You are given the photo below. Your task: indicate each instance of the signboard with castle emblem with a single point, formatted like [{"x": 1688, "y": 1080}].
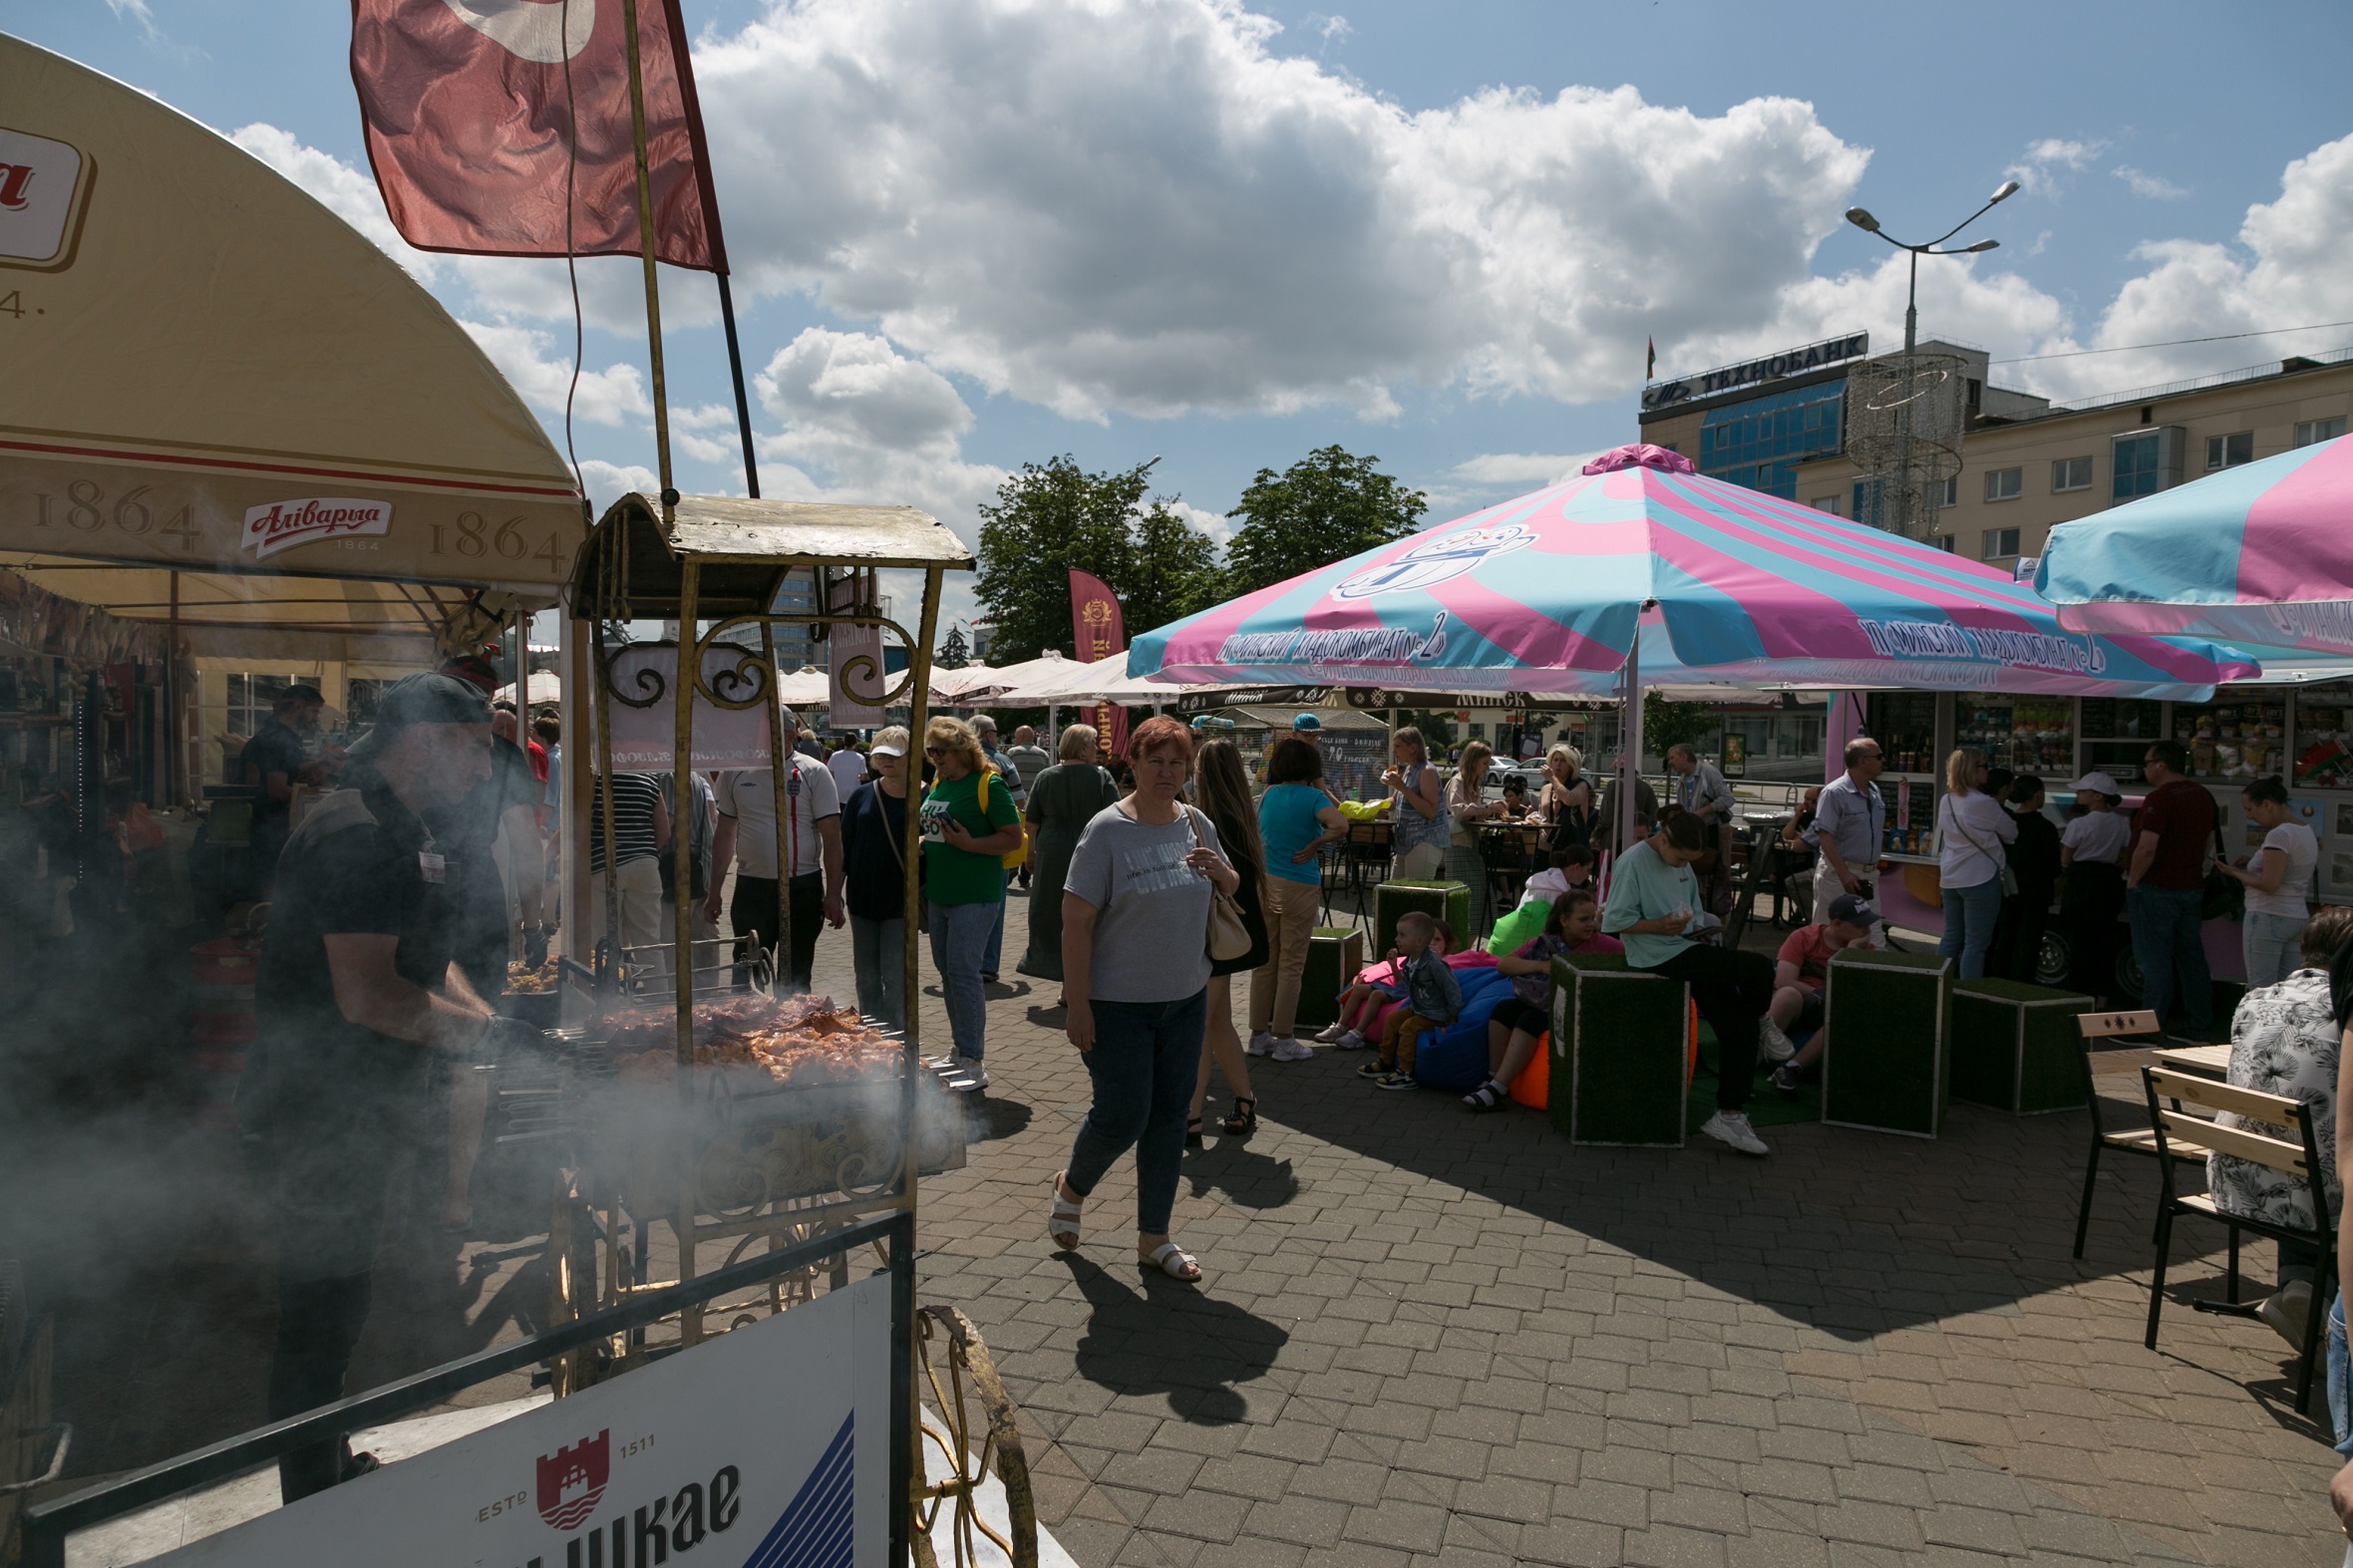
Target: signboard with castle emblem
[{"x": 766, "y": 1445}]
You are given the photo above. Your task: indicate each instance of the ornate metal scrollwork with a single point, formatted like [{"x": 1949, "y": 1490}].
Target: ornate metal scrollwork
[{"x": 971, "y": 1375}]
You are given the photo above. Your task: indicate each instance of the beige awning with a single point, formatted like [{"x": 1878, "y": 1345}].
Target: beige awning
[{"x": 210, "y": 374}]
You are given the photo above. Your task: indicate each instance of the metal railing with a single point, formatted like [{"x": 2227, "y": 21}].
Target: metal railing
[{"x": 47, "y": 1526}]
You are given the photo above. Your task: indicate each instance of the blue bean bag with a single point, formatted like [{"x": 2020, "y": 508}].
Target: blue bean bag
[{"x": 1456, "y": 1060}]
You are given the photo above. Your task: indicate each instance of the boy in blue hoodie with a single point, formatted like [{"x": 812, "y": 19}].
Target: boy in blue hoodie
[{"x": 1432, "y": 999}]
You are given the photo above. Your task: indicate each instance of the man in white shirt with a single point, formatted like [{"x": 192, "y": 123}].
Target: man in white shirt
[
  {"x": 1849, "y": 828},
  {"x": 811, "y": 842},
  {"x": 849, "y": 766}
]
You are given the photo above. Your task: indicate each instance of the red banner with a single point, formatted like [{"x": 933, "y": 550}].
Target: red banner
[
  {"x": 1096, "y": 632},
  {"x": 470, "y": 126}
]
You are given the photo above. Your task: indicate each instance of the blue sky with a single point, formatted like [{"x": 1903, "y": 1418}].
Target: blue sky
[{"x": 1227, "y": 235}]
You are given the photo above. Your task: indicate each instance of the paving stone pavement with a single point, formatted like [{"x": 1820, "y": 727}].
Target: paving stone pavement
[{"x": 1428, "y": 1336}]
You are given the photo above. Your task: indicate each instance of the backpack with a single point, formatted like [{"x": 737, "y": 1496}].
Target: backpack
[{"x": 1012, "y": 858}]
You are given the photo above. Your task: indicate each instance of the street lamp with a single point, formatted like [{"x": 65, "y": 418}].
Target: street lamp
[{"x": 1862, "y": 219}]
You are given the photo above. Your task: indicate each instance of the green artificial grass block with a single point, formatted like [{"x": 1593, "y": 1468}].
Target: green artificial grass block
[
  {"x": 1334, "y": 955},
  {"x": 2017, "y": 1047},
  {"x": 1886, "y": 1060},
  {"x": 1448, "y": 901},
  {"x": 1619, "y": 1044}
]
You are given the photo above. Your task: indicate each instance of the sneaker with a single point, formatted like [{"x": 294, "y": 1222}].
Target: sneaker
[
  {"x": 1784, "y": 1078},
  {"x": 1261, "y": 1044},
  {"x": 1350, "y": 1040},
  {"x": 1395, "y": 1080},
  {"x": 1774, "y": 1044},
  {"x": 1374, "y": 1070},
  {"x": 1731, "y": 1127},
  {"x": 974, "y": 1074},
  {"x": 1289, "y": 1050},
  {"x": 1330, "y": 1033},
  {"x": 2287, "y": 1310}
]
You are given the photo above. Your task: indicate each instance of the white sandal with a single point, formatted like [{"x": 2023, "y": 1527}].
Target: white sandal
[
  {"x": 1175, "y": 1262},
  {"x": 1062, "y": 1222}
]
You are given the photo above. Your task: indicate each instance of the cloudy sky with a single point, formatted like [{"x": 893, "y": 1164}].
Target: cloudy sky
[{"x": 970, "y": 232}]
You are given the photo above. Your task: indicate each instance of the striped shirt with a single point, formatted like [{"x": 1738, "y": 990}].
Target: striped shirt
[{"x": 635, "y": 798}]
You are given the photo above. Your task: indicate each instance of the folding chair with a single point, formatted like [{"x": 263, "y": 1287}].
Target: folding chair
[
  {"x": 2300, "y": 1160},
  {"x": 2132, "y": 1141}
]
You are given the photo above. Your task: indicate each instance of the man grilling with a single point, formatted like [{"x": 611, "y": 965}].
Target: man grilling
[{"x": 356, "y": 990}]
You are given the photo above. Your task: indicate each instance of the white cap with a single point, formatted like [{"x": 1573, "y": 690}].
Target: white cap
[
  {"x": 2100, "y": 783},
  {"x": 887, "y": 750}
]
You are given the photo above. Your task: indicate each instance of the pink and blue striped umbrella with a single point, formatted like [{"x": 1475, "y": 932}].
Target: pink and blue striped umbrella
[
  {"x": 1544, "y": 593},
  {"x": 2258, "y": 554}
]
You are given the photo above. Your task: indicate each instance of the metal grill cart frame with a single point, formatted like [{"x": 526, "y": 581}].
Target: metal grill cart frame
[{"x": 738, "y": 1161}]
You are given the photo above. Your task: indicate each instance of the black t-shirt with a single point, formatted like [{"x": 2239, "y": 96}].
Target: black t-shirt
[
  {"x": 873, "y": 850},
  {"x": 274, "y": 749},
  {"x": 361, "y": 865}
]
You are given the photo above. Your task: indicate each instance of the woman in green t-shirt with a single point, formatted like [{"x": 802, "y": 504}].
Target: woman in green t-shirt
[{"x": 971, "y": 825}]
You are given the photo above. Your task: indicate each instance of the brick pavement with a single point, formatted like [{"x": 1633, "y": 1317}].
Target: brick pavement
[{"x": 1428, "y": 1336}]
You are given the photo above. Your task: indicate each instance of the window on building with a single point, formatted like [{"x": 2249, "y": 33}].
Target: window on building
[
  {"x": 1999, "y": 542},
  {"x": 2004, "y": 483},
  {"x": 1828, "y": 504},
  {"x": 1759, "y": 442},
  {"x": 2138, "y": 467},
  {"x": 2071, "y": 474},
  {"x": 1949, "y": 494},
  {"x": 1947, "y": 544},
  {"x": 2311, "y": 433},
  {"x": 2229, "y": 451}
]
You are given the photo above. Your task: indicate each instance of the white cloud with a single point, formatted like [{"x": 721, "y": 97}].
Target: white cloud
[
  {"x": 1521, "y": 469},
  {"x": 524, "y": 356},
  {"x": 1139, "y": 207},
  {"x": 2037, "y": 168},
  {"x": 2155, "y": 186},
  {"x": 350, "y": 193},
  {"x": 609, "y": 481}
]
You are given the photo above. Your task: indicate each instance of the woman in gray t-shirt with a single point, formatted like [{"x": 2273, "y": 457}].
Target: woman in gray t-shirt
[{"x": 1136, "y": 973}]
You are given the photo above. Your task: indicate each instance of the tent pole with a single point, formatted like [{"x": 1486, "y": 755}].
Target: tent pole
[
  {"x": 1629, "y": 745},
  {"x": 647, "y": 243},
  {"x": 735, "y": 368}
]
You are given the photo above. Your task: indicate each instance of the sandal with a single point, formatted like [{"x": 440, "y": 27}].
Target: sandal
[
  {"x": 1193, "y": 1132},
  {"x": 1244, "y": 1120},
  {"x": 1486, "y": 1097},
  {"x": 1175, "y": 1262},
  {"x": 1062, "y": 1222}
]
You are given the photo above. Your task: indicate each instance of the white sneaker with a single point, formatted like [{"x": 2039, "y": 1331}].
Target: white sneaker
[
  {"x": 1777, "y": 1045},
  {"x": 974, "y": 1074},
  {"x": 1350, "y": 1040},
  {"x": 1731, "y": 1127},
  {"x": 1330, "y": 1033},
  {"x": 1261, "y": 1044},
  {"x": 1290, "y": 1050}
]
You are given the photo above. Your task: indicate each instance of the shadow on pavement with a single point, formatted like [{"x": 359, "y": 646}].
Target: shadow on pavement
[
  {"x": 1171, "y": 1339},
  {"x": 1241, "y": 1175},
  {"x": 987, "y": 1119}
]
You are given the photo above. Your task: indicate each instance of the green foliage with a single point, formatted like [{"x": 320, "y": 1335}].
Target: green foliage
[
  {"x": 1054, "y": 516},
  {"x": 1666, "y": 724},
  {"x": 1323, "y": 509},
  {"x": 955, "y": 652}
]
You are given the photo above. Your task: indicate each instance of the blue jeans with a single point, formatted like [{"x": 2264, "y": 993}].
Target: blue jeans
[
  {"x": 2340, "y": 1399},
  {"x": 1143, "y": 1065},
  {"x": 1969, "y": 917},
  {"x": 2272, "y": 945},
  {"x": 959, "y": 937},
  {"x": 996, "y": 949},
  {"x": 878, "y": 950},
  {"x": 2166, "y": 943}
]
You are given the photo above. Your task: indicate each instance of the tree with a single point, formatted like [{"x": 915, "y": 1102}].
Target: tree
[
  {"x": 1666, "y": 725},
  {"x": 955, "y": 652},
  {"x": 1323, "y": 509},
  {"x": 1054, "y": 516}
]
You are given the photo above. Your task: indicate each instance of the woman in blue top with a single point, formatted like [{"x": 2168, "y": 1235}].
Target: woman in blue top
[
  {"x": 1296, "y": 818},
  {"x": 1418, "y": 830}
]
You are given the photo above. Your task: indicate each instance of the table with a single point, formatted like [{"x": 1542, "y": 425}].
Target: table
[{"x": 2206, "y": 1061}]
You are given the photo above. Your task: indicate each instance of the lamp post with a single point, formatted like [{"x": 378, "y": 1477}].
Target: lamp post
[{"x": 1862, "y": 219}]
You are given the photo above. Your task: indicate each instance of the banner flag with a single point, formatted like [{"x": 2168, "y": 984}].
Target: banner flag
[
  {"x": 470, "y": 124},
  {"x": 1096, "y": 632}
]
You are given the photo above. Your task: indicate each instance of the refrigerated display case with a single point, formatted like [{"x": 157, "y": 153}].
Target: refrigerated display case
[
  {"x": 2237, "y": 736},
  {"x": 2114, "y": 733}
]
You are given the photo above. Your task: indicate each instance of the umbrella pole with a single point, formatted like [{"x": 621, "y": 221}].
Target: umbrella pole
[{"x": 1629, "y": 745}]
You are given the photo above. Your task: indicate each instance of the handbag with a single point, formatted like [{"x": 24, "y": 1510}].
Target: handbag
[
  {"x": 1229, "y": 936},
  {"x": 2009, "y": 877}
]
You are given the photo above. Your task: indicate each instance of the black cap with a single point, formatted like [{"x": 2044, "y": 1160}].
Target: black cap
[
  {"x": 421, "y": 699},
  {"x": 298, "y": 694}
]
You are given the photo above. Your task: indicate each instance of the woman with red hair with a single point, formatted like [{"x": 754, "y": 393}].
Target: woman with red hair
[{"x": 1135, "y": 972}]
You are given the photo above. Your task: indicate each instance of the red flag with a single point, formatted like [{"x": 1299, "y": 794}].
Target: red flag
[
  {"x": 470, "y": 127},
  {"x": 1098, "y": 632}
]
